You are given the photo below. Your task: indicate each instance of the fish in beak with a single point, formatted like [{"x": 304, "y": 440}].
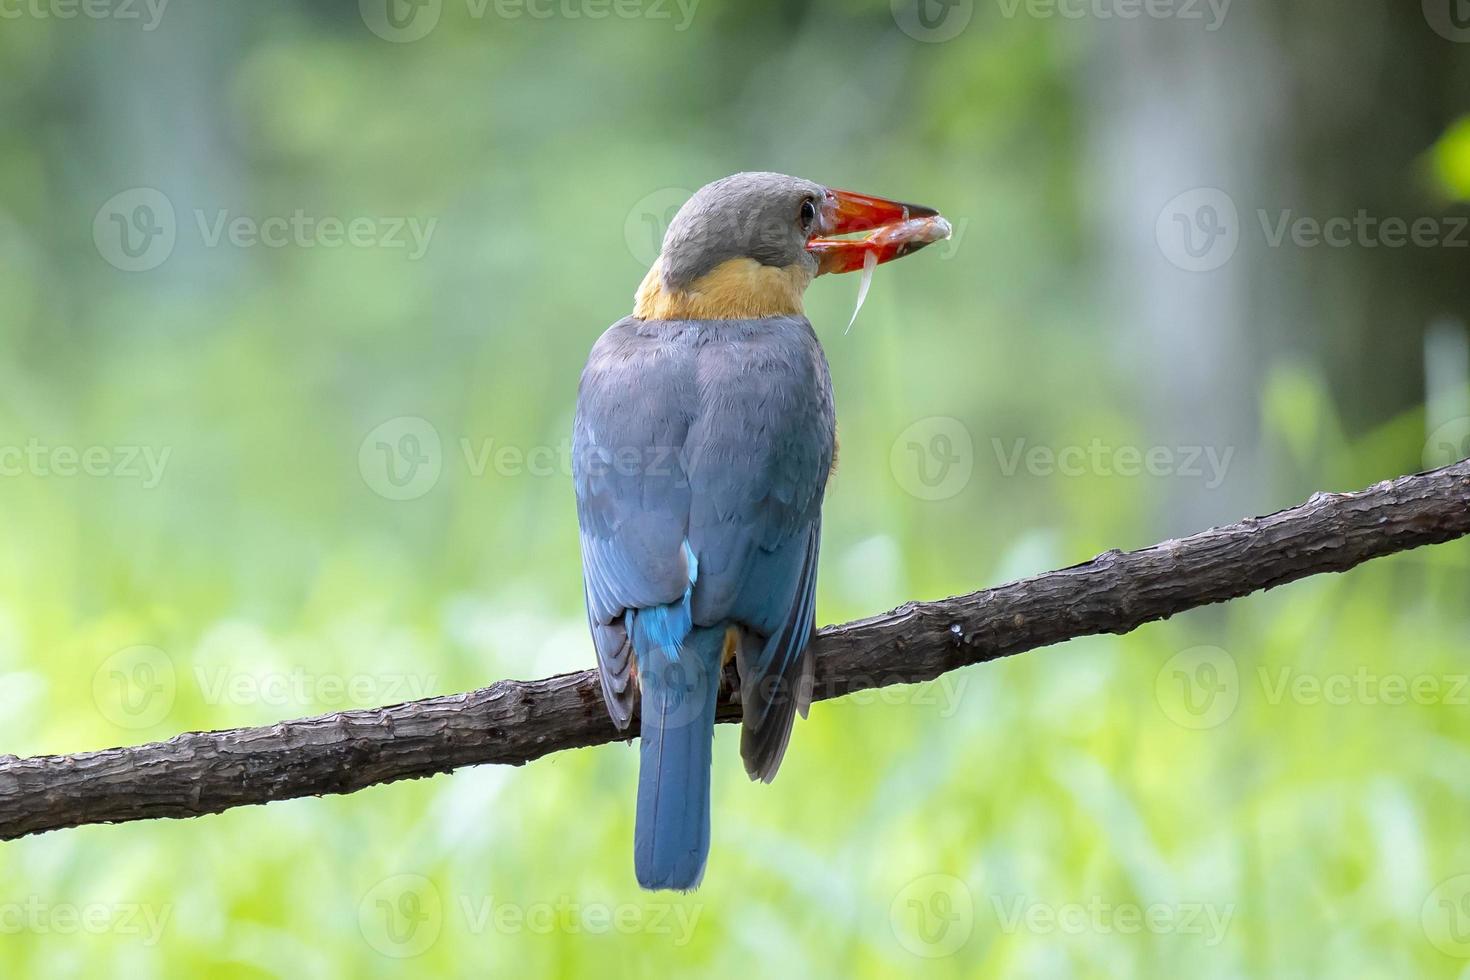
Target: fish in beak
[{"x": 886, "y": 230}]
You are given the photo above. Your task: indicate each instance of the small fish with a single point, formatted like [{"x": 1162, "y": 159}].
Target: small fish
[{"x": 870, "y": 262}]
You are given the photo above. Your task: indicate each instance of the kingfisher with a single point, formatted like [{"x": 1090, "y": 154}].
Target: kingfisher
[{"x": 703, "y": 440}]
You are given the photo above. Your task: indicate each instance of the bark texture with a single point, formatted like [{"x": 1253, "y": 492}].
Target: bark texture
[{"x": 513, "y": 722}]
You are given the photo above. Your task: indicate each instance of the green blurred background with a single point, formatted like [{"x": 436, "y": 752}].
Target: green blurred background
[{"x": 266, "y": 454}]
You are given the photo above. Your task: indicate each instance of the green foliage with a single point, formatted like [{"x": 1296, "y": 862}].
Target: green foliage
[{"x": 1174, "y": 802}]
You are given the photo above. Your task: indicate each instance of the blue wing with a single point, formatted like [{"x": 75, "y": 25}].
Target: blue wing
[
  {"x": 758, "y": 463},
  {"x": 725, "y": 436},
  {"x": 632, "y": 495}
]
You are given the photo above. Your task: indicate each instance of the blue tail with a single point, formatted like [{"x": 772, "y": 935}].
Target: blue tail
[{"x": 679, "y": 675}]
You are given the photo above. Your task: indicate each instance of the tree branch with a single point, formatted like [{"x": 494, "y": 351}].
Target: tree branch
[{"x": 516, "y": 721}]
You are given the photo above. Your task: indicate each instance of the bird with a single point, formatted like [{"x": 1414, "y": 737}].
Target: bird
[{"x": 703, "y": 439}]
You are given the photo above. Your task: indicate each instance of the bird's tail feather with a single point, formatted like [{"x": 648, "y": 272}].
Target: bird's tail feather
[{"x": 679, "y": 684}]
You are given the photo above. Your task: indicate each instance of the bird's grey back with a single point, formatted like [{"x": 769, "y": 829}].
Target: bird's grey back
[{"x": 719, "y": 433}]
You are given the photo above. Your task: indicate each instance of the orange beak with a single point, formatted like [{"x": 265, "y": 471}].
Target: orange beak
[{"x": 893, "y": 231}]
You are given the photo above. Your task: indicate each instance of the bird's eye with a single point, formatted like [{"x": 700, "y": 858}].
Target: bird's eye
[{"x": 808, "y": 213}]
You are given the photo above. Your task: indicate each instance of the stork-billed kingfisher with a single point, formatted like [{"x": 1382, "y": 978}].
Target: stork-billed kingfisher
[{"x": 703, "y": 439}]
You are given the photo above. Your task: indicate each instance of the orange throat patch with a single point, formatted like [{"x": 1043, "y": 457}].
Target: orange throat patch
[{"x": 736, "y": 289}]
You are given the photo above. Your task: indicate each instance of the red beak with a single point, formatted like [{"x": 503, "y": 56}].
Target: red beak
[{"x": 894, "y": 230}]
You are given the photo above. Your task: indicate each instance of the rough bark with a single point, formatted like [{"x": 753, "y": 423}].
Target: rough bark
[{"x": 516, "y": 721}]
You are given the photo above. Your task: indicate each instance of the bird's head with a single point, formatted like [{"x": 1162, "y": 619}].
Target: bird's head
[{"x": 749, "y": 244}]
